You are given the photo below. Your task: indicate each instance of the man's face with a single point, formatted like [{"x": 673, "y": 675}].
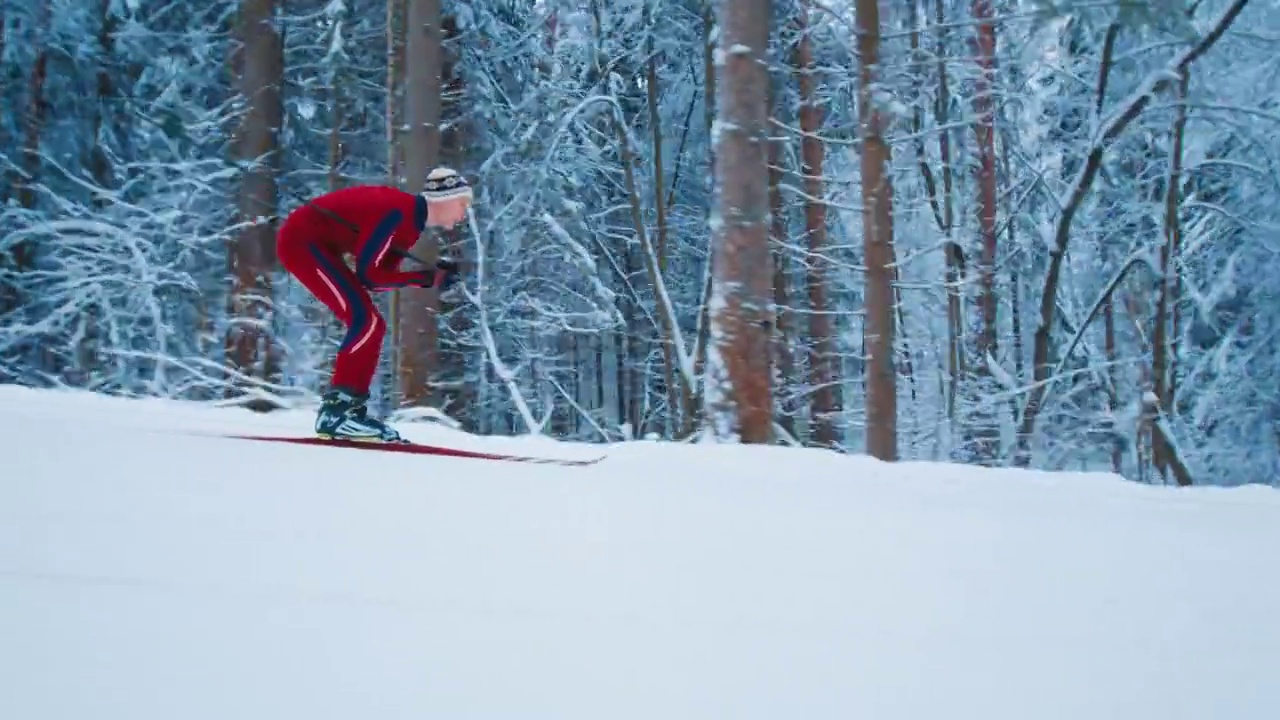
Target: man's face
[{"x": 448, "y": 213}]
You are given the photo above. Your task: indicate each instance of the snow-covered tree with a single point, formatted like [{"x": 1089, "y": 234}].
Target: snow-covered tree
[{"x": 1082, "y": 220}]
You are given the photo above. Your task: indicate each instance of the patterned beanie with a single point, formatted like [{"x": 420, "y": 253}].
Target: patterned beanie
[{"x": 443, "y": 184}]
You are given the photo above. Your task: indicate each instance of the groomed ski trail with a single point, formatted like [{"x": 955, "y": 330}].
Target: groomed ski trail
[{"x": 146, "y": 573}]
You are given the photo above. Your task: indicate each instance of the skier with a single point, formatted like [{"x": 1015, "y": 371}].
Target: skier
[{"x": 376, "y": 225}]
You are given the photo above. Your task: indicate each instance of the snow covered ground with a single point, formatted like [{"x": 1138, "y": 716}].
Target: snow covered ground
[{"x": 151, "y": 572}]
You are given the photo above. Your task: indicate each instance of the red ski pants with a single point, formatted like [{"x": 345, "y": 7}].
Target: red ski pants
[{"x": 323, "y": 272}]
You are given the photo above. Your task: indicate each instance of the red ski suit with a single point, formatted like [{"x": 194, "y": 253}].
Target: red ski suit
[{"x": 377, "y": 226}]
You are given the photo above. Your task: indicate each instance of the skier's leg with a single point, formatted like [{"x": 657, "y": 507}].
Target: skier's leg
[
  {"x": 344, "y": 413},
  {"x": 323, "y": 273},
  {"x": 338, "y": 288}
]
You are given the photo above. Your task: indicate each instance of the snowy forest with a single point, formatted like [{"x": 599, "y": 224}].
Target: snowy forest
[{"x": 1001, "y": 232}]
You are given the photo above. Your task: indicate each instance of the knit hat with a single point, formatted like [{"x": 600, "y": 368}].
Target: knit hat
[{"x": 444, "y": 184}]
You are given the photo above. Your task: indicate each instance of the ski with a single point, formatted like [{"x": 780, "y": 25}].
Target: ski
[{"x": 421, "y": 449}]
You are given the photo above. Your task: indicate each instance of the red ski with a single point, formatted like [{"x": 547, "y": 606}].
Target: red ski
[{"x": 420, "y": 449}]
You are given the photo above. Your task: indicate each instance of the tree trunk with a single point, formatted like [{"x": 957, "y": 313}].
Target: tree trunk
[
  {"x": 1015, "y": 289},
  {"x": 738, "y": 396},
  {"x": 337, "y": 150},
  {"x": 955, "y": 264},
  {"x": 985, "y": 429},
  {"x": 396, "y": 22},
  {"x": 1109, "y": 348},
  {"x": 1109, "y": 305},
  {"x": 703, "y": 339},
  {"x": 783, "y": 330},
  {"x": 1161, "y": 437},
  {"x": 664, "y": 310},
  {"x": 877, "y": 233},
  {"x": 88, "y": 360},
  {"x": 417, "y": 308},
  {"x": 394, "y": 112},
  {"x": 1135, "y": 306},
  {"x": 33, "y": 125},
  {"x": 316, "y": 315},
  {"x": 1161, "y": 348},
  {"x": 709, "y": 93},
  {"x": 825, "y": 394},
  {"x": 99, "y": 164},
  {"x": 21, "y": 257},
  {"x": 4, "y": 136},
  {"x": 455, "y": 390},
  {"x": 675, "y": 408},
  {"x": 252, "y": 257}
]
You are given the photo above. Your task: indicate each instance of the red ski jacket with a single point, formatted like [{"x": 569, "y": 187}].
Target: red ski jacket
[{"x": 375, "y": 224}]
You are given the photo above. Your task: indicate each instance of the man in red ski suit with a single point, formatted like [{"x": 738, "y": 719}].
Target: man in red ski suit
[{"x": 377, "y": 226}]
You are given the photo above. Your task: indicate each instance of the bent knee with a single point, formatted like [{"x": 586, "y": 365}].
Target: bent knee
[{"x": 368, "y": 334}]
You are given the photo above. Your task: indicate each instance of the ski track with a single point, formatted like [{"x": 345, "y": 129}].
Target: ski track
[{"x": 149, "y": 572}]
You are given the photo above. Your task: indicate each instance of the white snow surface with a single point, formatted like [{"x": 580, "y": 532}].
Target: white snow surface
[{"x": 147, "y": 571}]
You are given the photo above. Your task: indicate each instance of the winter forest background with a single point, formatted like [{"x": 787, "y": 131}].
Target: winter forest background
[{"x": 988, "y": 231}]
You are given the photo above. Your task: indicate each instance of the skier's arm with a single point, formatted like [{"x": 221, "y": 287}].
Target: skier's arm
[{"x": 378, "y": 262}]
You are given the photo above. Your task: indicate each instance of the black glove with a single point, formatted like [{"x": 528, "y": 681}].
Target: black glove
[{"x": 441, "y": 278}]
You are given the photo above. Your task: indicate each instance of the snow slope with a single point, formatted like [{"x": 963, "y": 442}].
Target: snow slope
[{"x": 150, "y": 572}]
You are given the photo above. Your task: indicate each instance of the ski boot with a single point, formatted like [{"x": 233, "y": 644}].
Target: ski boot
[{"x": 344, "y": 416}]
